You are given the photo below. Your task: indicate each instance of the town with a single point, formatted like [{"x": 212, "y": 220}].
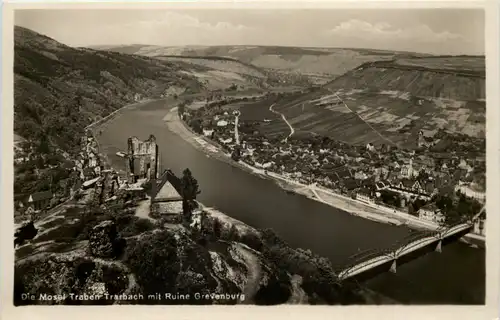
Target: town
[
  {"x": 441, "y": 188},
  {"x": 236, "y": 157}
]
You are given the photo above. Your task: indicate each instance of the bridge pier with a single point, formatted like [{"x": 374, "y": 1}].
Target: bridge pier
[
  {"x": 439, "y": 246},
  {"x": 393, "y": 266}
]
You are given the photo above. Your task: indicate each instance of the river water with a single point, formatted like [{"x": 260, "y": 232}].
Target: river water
[{"x": 457, "y": 275}]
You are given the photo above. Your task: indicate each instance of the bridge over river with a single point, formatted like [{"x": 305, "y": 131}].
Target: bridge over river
[
  {"x": 303, "y": 223},
  {"x": 367, "y": 263}
]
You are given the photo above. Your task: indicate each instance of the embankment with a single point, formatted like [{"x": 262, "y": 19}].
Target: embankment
[{"x": 355, "y": 207}]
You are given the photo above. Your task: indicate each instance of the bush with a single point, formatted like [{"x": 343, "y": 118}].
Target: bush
[
  {"x": 155, "y": 263},
  {"x": 251, "y": 240},
  {"x": 276, "y": 291},
  {"x": 137, "y": 226},
  {"x": 78, "y": 196},
  {"x": 26, "y": 232},
  {"x": 319, "y": 280}
]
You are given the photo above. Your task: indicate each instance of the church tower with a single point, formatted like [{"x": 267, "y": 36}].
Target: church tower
[{"x": 410, "y": 168}]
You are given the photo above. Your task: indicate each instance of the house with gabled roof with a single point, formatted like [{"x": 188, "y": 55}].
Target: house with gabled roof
[
  {"x": 431, "y": 212},
  {"x": 40, "y": 200},
  {"x": 364, "y": 195},
  {"x": 410, "y": 189},
  {"x": 360, "y": 175}
]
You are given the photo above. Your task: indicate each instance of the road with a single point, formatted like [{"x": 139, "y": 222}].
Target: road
[{"x": 292, "y": 130}]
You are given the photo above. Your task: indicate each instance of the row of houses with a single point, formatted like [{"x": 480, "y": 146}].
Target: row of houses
[
  {"x": 412, "y": 190},
  {"x": 429, "y": 212}
]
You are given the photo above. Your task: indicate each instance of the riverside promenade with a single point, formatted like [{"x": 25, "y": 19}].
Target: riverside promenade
[{"x": 355, "y": 207}]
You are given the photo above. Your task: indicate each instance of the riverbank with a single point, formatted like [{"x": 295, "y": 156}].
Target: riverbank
[
  {"x": 334, "y": 234},
  {"x": 142, "y": 211},
  {"x": 115, "y": 113},
  {"x": 354, "y": 207}
]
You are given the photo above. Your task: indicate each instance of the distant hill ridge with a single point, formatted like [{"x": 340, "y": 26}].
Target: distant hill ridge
[
  {"x": 435, "y": 77},
  {"x": 211, "y": 58},
  {"x": 455, "y": 70},
  {"x": 319, "y": 64},
  {"x": 397, "y": 98},
  {"x": 58, "y": 90}
]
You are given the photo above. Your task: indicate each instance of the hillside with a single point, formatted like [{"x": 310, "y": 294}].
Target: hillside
[
  {"x": 58, "y": 90},
  {"x": 110, "y": 253},
  {"x": 397, "y": 99},
  {"x": 217, "y": 73},
  {"x": 318, "y": 64},
  {"x": 78, "y": 247}
]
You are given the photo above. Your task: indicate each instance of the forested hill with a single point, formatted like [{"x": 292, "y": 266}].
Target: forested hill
[{"x": 58, "y": 90}]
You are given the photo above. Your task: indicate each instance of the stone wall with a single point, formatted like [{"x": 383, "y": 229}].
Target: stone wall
[{"x": 147, "y": 154}]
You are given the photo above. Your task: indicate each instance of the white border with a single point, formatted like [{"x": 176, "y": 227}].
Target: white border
[{"x": 490, "y": 311}]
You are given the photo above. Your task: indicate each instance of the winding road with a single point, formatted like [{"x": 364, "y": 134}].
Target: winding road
[{"x": 292, "y": 130}]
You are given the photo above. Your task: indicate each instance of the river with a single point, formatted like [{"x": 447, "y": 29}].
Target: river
[{"x": 457, "y": 275}]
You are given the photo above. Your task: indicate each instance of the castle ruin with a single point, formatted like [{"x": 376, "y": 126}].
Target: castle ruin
[{"x": 141, "y": 160}]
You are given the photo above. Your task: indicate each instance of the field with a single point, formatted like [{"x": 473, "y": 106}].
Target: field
[
  {"x": 370, "y": 95},
  {"x": 318, "y": 64},
  {"x": 473, "y": 63},
  {"x": 256, "y": 111},
  {"x": 381, "y": 105},
  {"x": 218, "y": 63},
  {"x": 220, "y": 73}
]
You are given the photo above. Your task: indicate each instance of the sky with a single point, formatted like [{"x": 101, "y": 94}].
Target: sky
[{"x": 437, "y": 31}]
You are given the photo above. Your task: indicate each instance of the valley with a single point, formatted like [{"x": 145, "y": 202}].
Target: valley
[{"x": 343, "y": 118}]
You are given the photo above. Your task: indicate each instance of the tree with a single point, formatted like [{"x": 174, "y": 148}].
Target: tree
[
  {"x": 189, "y": 190},
  {"x": 423, "y": 175},
  {"x": 236, "y": 154},
  {"x": 43, "y": 146},
  {"x": 155, "y": 262},
  {"x": 196, "y": 125},
  {"x": 233, "y": 234},
  {"x": 182, "y": 108},
  {"x": 444, "y": 202},
  {"x": 452, "y": 216},
  {"x": 411, "y": 210},
  {"x": 26, "y": 232}
]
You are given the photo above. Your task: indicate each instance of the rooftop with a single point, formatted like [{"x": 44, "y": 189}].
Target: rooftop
[
  {"x": 430, "y": 207},
  {"x": 168, "y": 191},
  {"x": 18, "y": 138},
  {"x": 38, "y": 196}
]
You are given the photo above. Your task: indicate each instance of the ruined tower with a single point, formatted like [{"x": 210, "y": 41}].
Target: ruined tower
[{"x": 142, "y": 158}]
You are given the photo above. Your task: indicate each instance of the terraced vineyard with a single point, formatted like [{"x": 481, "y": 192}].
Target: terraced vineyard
[
  {"x": 218, "y": 73},
  {"x": 381, "y": 102}
]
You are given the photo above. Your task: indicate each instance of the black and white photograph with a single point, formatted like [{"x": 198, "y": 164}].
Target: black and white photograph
[{"x": 249, "y": 156}]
